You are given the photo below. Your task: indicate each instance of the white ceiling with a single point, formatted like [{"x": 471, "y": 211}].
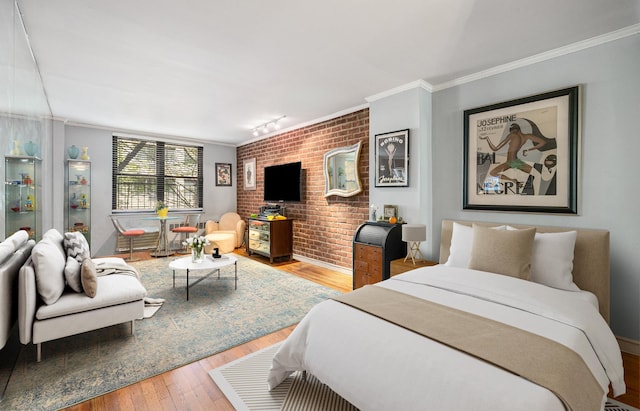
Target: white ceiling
[{"x": 213, "y": 70}]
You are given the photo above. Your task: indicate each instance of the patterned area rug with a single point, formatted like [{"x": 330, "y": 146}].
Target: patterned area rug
[
  {"x": 243, "y": 382},
  {"x": 215, "y": 318}
]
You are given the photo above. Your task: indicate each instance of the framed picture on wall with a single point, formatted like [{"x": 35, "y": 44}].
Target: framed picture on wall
[
  {"x": 392, "y": 159},
  {"x": 223, "y": 174},
  {"x": 249, "y": 173},
  {"x": 522, "y": 155},
  {"x": 389, "y": 211}
]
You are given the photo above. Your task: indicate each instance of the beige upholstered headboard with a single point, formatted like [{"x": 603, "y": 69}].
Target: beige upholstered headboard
[{"x": 590, "y": 257}]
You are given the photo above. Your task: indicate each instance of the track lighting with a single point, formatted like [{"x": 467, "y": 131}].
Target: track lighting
[{"x": 268, "y": 126}]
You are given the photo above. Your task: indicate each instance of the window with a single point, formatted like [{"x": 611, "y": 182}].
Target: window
[{"x": 145, "y": 172}]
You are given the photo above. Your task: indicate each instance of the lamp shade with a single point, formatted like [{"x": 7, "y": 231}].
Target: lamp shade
[{"x": 414, "y": 232}]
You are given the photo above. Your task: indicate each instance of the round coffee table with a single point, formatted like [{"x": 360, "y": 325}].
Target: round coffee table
[{"x": 209, "y": 263}]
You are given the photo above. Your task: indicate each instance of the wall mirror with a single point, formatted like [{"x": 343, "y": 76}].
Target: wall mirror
[{"x": 341, "y": 176}]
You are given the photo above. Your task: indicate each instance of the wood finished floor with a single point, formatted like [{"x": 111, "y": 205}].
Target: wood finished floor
[{"x": 190, "y": 387}]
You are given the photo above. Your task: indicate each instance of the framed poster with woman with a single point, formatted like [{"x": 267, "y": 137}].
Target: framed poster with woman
[
  {"x": 392, "y": 159},
  {"x": 522, "y": 155}
]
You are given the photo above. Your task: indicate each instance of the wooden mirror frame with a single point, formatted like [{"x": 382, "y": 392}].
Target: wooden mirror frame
[{"x": 347, "y": 182}]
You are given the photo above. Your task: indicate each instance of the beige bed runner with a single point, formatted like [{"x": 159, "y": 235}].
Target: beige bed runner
[{"x": 535, "y": 358}]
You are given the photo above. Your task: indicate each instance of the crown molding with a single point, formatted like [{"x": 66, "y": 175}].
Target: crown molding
[
  {"x": 547, "y": 55},
  {"x": 306, "y": 124},
  {"x": 409, "y": 86}
]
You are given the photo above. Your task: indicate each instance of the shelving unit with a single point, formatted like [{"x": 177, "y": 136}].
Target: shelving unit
[
  {"x": 78, "y": 198},
  {"x": 22, "y": 194}
]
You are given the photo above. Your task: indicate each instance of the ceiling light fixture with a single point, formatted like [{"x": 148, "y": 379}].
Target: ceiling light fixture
[{"x": 268, "y": 126}]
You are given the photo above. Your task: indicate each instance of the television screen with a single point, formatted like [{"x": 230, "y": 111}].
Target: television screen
[{"x": 283, "y": 182}]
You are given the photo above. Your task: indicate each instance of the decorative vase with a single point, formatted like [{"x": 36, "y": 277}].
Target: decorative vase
[
  {"x": 15, "y": 151},
  {"x": 162, "y": 213},
  {"x": 31, "y": 148},
  {"x": 197, "y": 255},
  {"x": 85, "y": 153},
  {"x": 73, "y": 152}
]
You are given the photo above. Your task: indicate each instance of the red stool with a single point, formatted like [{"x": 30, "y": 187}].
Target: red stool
[
  {"x": 130, "y": 234},
  {"x": 190, "y": 226}
]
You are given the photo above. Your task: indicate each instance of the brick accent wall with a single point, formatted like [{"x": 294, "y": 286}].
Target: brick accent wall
[{"x": 323, "y": 227}]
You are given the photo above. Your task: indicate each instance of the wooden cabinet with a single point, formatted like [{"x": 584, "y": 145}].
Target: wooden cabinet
[
  {"x": 271, "y": 238},
  {"x": 375, "y": 244},
  {"x": 367, "y": 265}
]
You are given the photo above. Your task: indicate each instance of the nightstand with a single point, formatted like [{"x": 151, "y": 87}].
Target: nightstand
[{"x": 400, "y": 266}]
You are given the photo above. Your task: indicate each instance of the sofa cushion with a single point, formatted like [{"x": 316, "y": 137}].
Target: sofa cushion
[
  {"x": 112, "y": 289},
  {"x": 72, "y": 274},
  {"x": 76, "y": 246},
  {"x": 88, "y": 277},
  {"x": 49, "y": 261},
  {"x": 12, "y": 243}
]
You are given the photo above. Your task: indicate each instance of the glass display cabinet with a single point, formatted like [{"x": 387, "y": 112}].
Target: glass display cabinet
[
  {"x": 22, "y": 193},
  {"x": 78, "y": 198}
]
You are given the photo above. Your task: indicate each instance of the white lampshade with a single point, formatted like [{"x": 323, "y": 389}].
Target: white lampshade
[{"x": 414, "y": 232}]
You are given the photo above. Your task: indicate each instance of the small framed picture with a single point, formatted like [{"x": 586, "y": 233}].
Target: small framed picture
[
  {"x": 389, "y": 211},
  {"x": 223, "y": 174},
  {"x": 249, "y": 173}
]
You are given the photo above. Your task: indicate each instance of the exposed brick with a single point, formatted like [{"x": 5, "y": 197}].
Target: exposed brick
[{"x": 323, "y": 227}]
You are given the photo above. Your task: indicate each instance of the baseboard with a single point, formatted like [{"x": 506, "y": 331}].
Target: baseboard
[
  {"x": 323, "y": 264},
  {"x": 629, "y": 346}
]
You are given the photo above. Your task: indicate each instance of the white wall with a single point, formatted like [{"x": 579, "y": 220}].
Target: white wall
[
  {"x": 608, "y": 189},
  {"x": 411, "y": 110},
  {"x": 217, "y": 200}
]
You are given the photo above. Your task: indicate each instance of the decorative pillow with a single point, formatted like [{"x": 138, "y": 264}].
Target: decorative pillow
[
  {"x": 72, "y": 274},
  {"x": 552, "y": 260},
  {"x": 76, "y": 246},
  {"x": 505, "y": 252},
  {"x": 461, "y": 240},
  {"x": 48, "y": 262},
  {"x": 12, "y": 243},
  {"x": 89, "y": 277},
  {"x": 54, "y": 235}
]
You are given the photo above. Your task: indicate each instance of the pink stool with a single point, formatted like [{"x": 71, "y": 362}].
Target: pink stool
[
  {"x": 190, "y": 226},
  {"x": 130, "y": 234}
]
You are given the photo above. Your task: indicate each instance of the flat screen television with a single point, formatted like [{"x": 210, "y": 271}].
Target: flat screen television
[{"x": 282, "y": 182}]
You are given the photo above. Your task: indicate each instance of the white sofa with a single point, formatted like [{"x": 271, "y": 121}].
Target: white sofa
[
  {"x": 118, "y": 298},
  {"x": 14, "y": 251}
]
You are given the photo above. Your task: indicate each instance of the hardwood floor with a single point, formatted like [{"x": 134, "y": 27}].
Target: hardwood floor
[{"x": 190, "y": 387}]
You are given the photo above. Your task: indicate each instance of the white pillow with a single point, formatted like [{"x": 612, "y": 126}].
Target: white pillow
[
  {"x": 461, "y": 240},
  {"x": 48, "y": 262},
  {"x": 72, "y": 274},
  {"x": 12, "y": 243},
  {"x": 552, "y": 260}
]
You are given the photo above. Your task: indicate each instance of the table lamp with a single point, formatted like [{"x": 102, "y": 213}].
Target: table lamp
[{"x": 413, "y": 235}]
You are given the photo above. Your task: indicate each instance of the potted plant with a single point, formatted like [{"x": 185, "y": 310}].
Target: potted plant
[{"x": 161, "y": 209}]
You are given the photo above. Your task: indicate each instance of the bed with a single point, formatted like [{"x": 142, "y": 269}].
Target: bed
[{"x": 552, "y": 325}]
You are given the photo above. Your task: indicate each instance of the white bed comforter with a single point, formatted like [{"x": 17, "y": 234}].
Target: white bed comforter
[{"x": 379, "y": 366}]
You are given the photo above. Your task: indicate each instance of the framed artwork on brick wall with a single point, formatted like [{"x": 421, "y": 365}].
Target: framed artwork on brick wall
[{"x": 249, "y": 173}]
